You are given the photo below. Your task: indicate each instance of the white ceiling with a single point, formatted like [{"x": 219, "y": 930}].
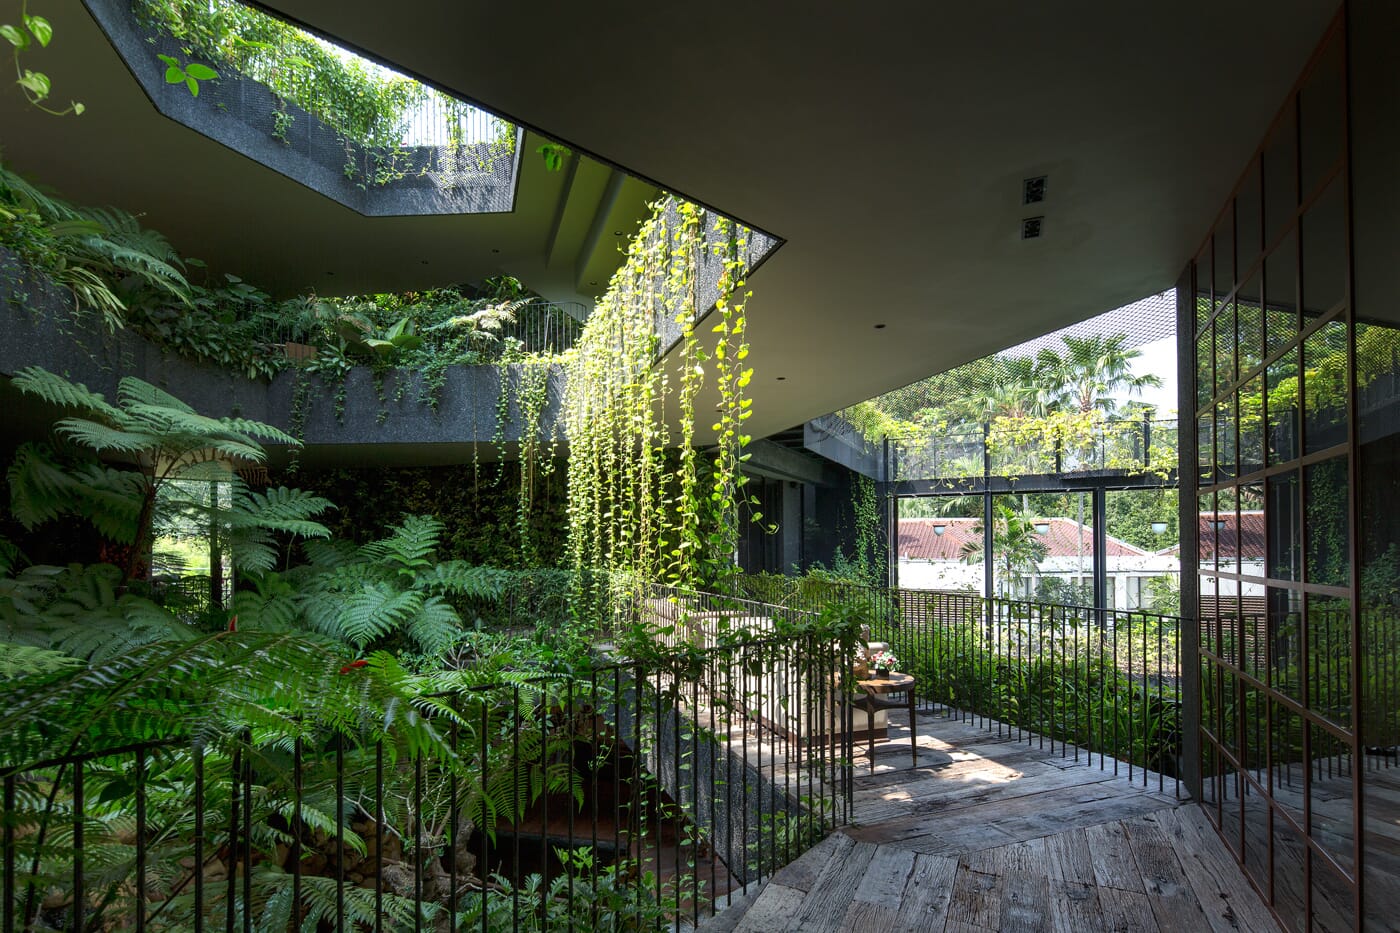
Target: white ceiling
[{"x": 886, "y": 143}]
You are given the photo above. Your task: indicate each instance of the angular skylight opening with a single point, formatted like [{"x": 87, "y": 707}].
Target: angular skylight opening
[{"x": 369, "y": 137}]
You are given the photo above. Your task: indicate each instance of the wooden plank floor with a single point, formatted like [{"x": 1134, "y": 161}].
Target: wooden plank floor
[{"x": 983, "y": 833}]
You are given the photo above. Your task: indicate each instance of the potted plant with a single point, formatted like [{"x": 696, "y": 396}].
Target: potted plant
[{"x": 883, "y": 660}]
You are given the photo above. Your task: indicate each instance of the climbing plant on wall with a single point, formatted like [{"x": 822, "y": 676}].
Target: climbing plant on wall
[{"x": 634, "y": 510}]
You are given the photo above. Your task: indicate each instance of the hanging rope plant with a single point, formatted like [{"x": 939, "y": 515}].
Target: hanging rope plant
[{"x": 645, "y": 503}]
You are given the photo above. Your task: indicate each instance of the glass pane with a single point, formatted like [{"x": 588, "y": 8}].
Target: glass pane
[
  {"x": 1330, "y": 793},
  {"x": 1205, "y": 447},
  {"x": 1282, "y": 388},
  {"x": 1204, "y": 308},
  {"x": 1210, "y": 626},
  {"x": 1251, "y": 540},
  {"x": 1382, "y": 809},
  {"x": 1227, "y": 540},
  {"x": 1251, "y": 420},
  {"x": 1205, "y": 378},
  {"x": 1325, "y": 387},
  {"x": 1224, "y": 442},
  {"x": 1284, "y": 527},
  {"x": 1324, "y": 252},
  {"x": 1224, "y": 349},
  {"x": 1254, "y": 654},
  {"x": 1249, "y": 219},
  {"x": 1325, "y": 509},
  {"x": 1334, "y": 901},
  {"x": 1281, "y": 178},
  {"x": 1210, "y": 769},
  {"x": 1329, "y": 664},
  {"x": 1321, "y": 107},
  {"x": 1285, "y": 611},
  {"x": 1290, "y": 851},
  {"x": 1281, "y": 293},
  {"x": 1249, "y": 319},
  {"x": 1225, "y": 255},
  {"x": 1229, "y": 719},
  {"x": 1206, "y": 542}
]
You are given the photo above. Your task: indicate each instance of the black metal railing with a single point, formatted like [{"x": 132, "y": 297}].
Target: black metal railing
[
  {"x": 1036, "y": 447},
  {"x": 1100, "y": 685},
  {"x": 637, "y": 795}
]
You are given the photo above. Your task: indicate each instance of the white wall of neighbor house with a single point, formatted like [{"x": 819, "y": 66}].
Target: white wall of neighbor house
[{"x": 1128, "y": 577}]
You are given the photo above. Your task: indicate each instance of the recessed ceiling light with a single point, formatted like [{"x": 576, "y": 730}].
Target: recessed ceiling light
[
  {"x": 594, "y": 284},
  {"x": 617, "y": 233},
  {"x": 1033, "y": 190},
  {"x": 881, "y": 326},
  {"x": 782, "y": 378}
]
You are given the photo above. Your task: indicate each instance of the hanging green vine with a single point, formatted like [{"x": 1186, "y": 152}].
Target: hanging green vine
[{"x": 634, "y": 510}]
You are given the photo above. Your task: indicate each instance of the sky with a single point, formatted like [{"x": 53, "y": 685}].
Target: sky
[{"x": 1159, "y": 357}]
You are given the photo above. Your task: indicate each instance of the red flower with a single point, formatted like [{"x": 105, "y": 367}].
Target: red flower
[
  {"x": 352, "y": 665},
  {"x": 233, "y": 623}
]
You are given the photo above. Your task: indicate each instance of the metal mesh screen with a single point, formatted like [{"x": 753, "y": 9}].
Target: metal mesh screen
[{"x": 1144, "y": 322}]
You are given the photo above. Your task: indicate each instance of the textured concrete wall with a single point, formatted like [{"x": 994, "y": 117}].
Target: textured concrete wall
[{"x": 41, "y": 328}]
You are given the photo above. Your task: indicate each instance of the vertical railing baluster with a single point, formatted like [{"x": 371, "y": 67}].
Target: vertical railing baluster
[
  {"x": 231, "y": 884},
  {"x": 140, "y": 779},
  {"x": 339, "y": 831},
  {"x": 515, "y": 810},
  {"x": 10, "y": 815},
  {"x": 79, "y": 898},
  {"x": 418, "y": 841},
  {"x": 483, "y": 864},
  {"x": 198, "y": 765},
  {"x": 296, "y": 827}
]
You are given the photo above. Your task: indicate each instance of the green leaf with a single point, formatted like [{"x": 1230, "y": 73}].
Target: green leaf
[
  {"x": 36, "y": 83},
  {"x": 78, "y": 109},
  {"x": 193, "y": 85},
  {"x": 40, "y": 28},
  {"x": 202, "y": 72},
  {"x": 169, "y": 60},
  {"x": 173, "y": 75},
  {"x": 16, "y": 38}
]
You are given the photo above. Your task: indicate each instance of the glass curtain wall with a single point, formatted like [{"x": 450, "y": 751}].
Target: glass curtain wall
[{"x": 1293, "y": 717}]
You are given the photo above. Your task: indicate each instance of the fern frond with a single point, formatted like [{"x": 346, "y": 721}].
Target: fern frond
[
  {"x": 101, "y": 438},
  {"x": 461, "y": 578},
  {"x": 32, "y": 664},
  {"x": 435, "y": 626},
  {"x": 54, "y": 389},
  {"x": 132, "y": 392}
]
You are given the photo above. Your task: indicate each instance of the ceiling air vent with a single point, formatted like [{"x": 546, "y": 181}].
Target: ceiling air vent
[
  {"x": 1030, "y": 228},
  {"x": 1033, "y": 190}
]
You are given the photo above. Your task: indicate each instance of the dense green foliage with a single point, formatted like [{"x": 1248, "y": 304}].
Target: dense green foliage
[
  {"x": 634, "y": 510},
  {"x": 367, "y": 103},
  {"x": 1063, "y": 683},
  {"x": 101, "y": 255},
  {"x": 477, "y": 507}
]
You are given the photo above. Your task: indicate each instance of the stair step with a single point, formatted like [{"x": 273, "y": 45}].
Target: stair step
[{"x": 730, "y": 910}]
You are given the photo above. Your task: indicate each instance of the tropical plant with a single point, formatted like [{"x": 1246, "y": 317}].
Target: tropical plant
[
  {"x": 158, "y": 440},
  {"x": 102, "y": 255},
  {"x": 35, "y": 85},
  {"x": 636, "y": 510},
  {"x": 1091, "y": 373},
  {"x": 1017, "y": 548},
  {"x": 362, "y": 596}
]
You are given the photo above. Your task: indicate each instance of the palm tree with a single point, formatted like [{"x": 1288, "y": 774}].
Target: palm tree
[
  {"x": 1018, "y": 548},
  {"x": 1090, "y": 373}
]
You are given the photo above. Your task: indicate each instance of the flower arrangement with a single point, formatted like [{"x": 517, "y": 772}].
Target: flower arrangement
[{"x": 882, "y": 659}]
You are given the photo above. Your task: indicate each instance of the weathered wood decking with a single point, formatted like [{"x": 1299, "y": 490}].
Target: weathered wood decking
[{"x": 991, "y": 833}]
